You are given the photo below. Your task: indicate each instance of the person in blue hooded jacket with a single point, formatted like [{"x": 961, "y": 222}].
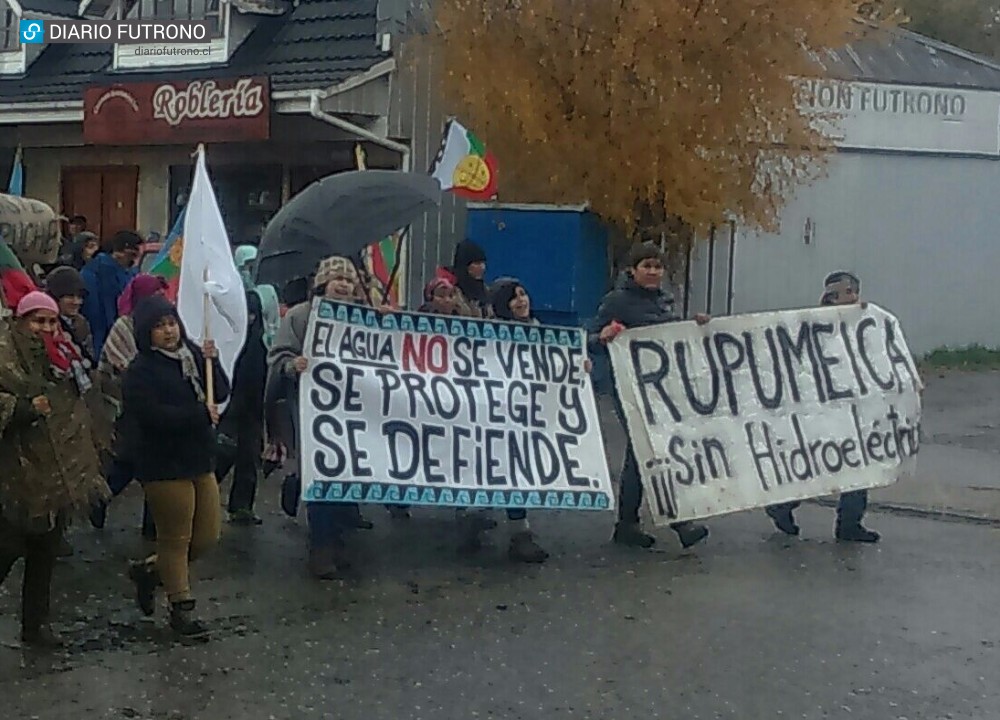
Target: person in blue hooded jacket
[{"x": 105, "y": 278}]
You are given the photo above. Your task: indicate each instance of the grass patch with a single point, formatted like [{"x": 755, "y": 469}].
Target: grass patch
[{"x": 973, "y": 357}]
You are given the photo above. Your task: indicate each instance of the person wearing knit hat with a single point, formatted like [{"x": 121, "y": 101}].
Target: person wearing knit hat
[
  {"x": 467, "y": 275},
  {"x": 48, "y": 465},
  {"x": 440, "y": 298},
  {"x": 336, "y": 278},
  {"x": 66, "y": 287}
]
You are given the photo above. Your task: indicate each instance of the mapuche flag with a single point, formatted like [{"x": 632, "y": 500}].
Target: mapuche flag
[{"x": 464, "y": 165}]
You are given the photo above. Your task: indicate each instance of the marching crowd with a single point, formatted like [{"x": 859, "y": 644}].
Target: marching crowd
[{"x": 100, "y": 386}]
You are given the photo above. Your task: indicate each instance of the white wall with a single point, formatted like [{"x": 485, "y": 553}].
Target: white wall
[{"x": 922, "y": 232}]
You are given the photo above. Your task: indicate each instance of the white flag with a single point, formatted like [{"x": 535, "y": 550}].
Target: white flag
[{"x": 208, "y": 268}]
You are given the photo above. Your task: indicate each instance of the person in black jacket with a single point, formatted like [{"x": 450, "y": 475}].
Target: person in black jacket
[
  {"x": 242, "y": 426},
  {"x": 637, "y": 302},
  {"x": 172, "y": 440}
]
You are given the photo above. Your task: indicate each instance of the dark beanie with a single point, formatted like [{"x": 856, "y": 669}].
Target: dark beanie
[
  {"x": 466, "y": 253},
  {"x": 147, "y": 315},
  {"x": 644, "y": 251},
  {"x": 501, "y": 293},
  {"x": 64, "y": 281}
]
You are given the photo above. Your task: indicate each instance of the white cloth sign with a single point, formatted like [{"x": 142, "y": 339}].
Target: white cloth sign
[
  {"x": 753, "y": 410},
  {"x": 421, "y": 410},
  {"x": 207, "y": 267}
]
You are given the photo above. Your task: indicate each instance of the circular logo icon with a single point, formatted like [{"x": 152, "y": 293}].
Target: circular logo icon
[{"x": 31, "y": 30}]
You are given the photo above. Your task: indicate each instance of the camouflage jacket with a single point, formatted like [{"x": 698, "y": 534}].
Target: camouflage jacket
[{"x": 48, "y": 465}]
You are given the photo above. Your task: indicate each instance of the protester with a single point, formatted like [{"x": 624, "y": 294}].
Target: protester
[
  {"x": 467, "y": 276},
  {"x": 80, "y": 251},
  {"x": 119, "y": 351},
  {"x": 173, "y": 450},
  {"x": 15, "y": 282},
  {"x": 840, "y": 288},
  {"x": 440, "y": 298},
  {"x": 48, "y": 467},
  {"x": 106, "y": 277},
  {"x": 66, "y": 286},
  {"x": 76, "y": 225},
  {"x": 245, "y": 256},
  {"x": 510, "y": 301},
  {"x": 637, "y": 302},
  {"x": 241, "y": 432},
  {"x": 337, "y": 279}
]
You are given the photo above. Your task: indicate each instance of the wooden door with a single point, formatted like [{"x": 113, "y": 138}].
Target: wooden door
[
  {"x": 119, "y": 193},
  {"x": 106, "y": 196}
]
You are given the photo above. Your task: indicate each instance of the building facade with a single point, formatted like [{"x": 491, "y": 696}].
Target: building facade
[
  {"x": 283, "y": 94},
  {"x": 908, "y": 202}
]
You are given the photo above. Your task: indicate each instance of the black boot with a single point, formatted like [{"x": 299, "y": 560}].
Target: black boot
[
  {"x": 64, "y": 549},
  {"x": 523, "y": 548},
  {"x": 783, "y": 518},
  {"x": 143, "y": 574},
  {"x": 631, "y": 535},
  {"x": 183, "y": 621},
  {"x": 690, "y": 534},
  {"x": 857, "y": 533}
]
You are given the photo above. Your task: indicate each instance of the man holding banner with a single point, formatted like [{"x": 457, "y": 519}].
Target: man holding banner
[
  {"x": 639, "y": 302},
  {"x": 839, "y": 288},
  {"x": 768, "y": 409}
]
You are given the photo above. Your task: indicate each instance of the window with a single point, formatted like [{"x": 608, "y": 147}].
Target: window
[
  {"x": 208, "y": 11},
  {"x": 9, "y": 28}
]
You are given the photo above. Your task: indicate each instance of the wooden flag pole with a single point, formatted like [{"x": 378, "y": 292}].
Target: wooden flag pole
[{"x": 209, "y": 362}]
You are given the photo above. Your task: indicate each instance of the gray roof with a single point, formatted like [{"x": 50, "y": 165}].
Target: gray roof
[
  {"x": 317, "y": 44},
  {"x": 61, "y": 8},
  {"x": 905, "y": 58}
]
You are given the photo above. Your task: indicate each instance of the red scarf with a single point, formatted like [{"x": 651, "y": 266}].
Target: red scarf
[{"x": 62, "y": 352}]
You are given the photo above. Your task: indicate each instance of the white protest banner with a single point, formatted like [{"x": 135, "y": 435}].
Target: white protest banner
[
  {"x": 409, "y": 409},
  {"x": 753, "y": 410}
]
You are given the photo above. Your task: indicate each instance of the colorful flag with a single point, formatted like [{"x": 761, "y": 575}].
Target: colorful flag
[
  {"x": 210, "y": 297},
  {"x": 464, "y": 166},
  {"x": 16, "y": 184},
  {"x": 167, "y": 263},
  {"x": 381, "y": 258}
]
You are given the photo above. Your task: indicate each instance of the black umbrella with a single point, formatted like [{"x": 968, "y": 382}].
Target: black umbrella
[{"x": 340, "y": 215}]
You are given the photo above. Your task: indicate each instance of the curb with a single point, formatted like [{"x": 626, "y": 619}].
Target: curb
[{"x": 955, "y": 516}]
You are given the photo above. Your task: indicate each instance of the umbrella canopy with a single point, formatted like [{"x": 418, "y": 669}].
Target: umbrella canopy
[{"x": 340, "y": 215}]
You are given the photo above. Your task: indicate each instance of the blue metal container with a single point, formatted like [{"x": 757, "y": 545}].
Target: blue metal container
[{"x": 559, "y": 253}]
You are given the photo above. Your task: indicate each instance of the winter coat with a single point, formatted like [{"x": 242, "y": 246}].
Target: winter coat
[
  {"x": 170, "y": 434},
  {"x": 634, "y": 307},
  {"x": 250, "y": 375},
  {"x": 105, "y": 279},
  {"x": 48, "y": 465}
]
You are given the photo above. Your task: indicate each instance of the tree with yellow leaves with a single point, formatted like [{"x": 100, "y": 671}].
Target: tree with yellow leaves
[{"x": 656, "y": 112}]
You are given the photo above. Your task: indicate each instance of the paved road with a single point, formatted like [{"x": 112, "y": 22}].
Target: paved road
[{"x": 752, "y": 625}]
